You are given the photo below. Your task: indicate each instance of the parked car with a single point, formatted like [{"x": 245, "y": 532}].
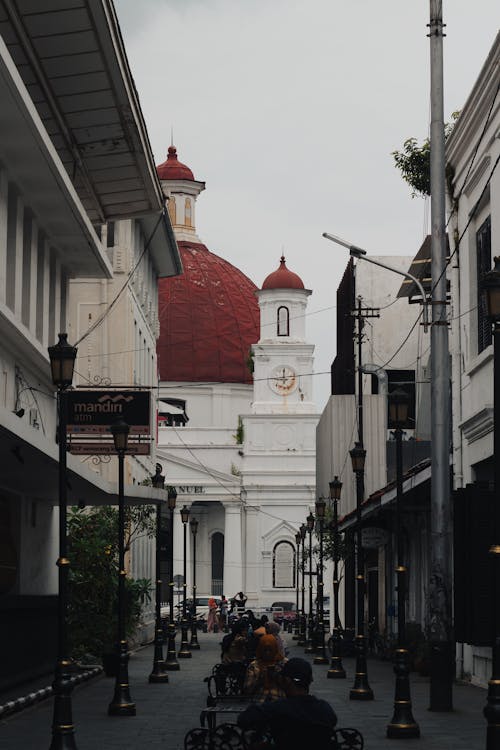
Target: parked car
[{"x": 283, "y": 612}]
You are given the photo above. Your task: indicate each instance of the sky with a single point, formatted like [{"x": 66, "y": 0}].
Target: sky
[{"x": 290, "y": 110}]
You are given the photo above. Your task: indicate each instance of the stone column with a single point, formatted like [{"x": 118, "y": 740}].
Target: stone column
[{"x": 233, "y": 558}]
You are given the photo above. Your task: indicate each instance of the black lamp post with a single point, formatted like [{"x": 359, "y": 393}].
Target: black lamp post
[
  {"x": 171, "y": 662},
  {"x": 296, "y": 634},
  {"x": 361, "y": 690},
  {"x": 320, "y": 656},
  {"x": 309, "y": 649},
  {"x": 302, "y": 635},
  {"x": 402, "y": 723},
  {"x": 491, "y": 288},
  {"x": 336, "y": 670},
  {"x": 62, "y": 361},
  {"x": 159, "y": 673},
  {"x": 194, "y": 645},
  {"x": 121, "y": 705},
  {"x": 184, "y": 652}
]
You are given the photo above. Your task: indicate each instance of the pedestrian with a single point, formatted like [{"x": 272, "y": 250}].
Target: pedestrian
[
  {"x": 212, "y": 611},
  {"x": 262, "y": 678},
  {"x": 240, "y": 601},
  {"x": 223, "y": 608},
  {"x": 298, "y": 720},
  {"x": 272, "y": 628}
]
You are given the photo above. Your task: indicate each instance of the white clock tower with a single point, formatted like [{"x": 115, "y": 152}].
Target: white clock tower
[{"x": 279, "y": 440}]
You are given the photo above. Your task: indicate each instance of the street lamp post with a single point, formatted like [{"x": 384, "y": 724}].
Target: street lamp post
[
  {"x": 158, "y": 673},
  {"x": 361, "y": 690},
  {"x": 491, "y": 288},
  {"x": 302, "y": 635},
  {"x": 62, "y": 361},
  {"x": 309, "y": 649},
  {"x": 194, "y": 645},
  {"x": 296, "y": 634},
  {"x": 171, "y": 662},
  {"x": 320, "y": 656},
  {"x": 184, "y": 652},
  {"x": 402, "y": 723},
  {"x": 336, "y": 670},
  {"x": 121, "y": 705}
]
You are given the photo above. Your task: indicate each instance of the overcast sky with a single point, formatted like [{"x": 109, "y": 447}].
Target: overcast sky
[{"x": 289, "y": 110}]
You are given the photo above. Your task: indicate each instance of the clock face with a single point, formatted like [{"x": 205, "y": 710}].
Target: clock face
[{"x": 283, "y": 380}]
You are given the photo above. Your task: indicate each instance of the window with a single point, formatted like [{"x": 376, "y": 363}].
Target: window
[
  {"x": 188, "y": 220},
  {"x": 110, "y": 237},
  {"x": 483, "y": 250},
  {"x": 283, "y": 321},
  {"x": 217, "y": 563},
  {"x": 284, "y": 566},
  {"x": 172, "y": 209}
]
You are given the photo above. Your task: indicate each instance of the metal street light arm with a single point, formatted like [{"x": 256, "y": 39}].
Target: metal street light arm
[{"x": 358, "y": 252}]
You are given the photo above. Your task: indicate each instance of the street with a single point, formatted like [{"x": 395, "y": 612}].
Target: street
[{"x": 166, "y": 712}]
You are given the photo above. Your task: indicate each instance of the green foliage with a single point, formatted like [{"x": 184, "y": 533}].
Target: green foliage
[
  {"x": 414, "y": 162},
  {"x": 93, "y": 578},
  {"x": 240, "y": 433}
]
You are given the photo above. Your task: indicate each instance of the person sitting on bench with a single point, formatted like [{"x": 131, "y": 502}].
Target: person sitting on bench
[{"x": 297, "y": 721}]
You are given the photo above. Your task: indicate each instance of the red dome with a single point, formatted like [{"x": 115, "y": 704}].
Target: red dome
[
  {"x": 209, "y": 317},
  {"x": 282, "y": 278},
  {"x": 173, "y": 169}
]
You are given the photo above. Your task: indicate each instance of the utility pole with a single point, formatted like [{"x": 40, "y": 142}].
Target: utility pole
[
  {"x": 440, "y": 625},
  {"x": 361, "y": 314}
]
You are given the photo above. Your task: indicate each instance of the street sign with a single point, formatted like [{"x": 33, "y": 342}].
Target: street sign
[{"x": 99, "y": 449}]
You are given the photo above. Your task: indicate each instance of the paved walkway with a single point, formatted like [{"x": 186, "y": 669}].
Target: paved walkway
[{"x": 166, "y": 712}]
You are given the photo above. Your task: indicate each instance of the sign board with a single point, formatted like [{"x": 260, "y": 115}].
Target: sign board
[
  {"x": 373, "y": 537},
  {"x": 91, "y": 413}
]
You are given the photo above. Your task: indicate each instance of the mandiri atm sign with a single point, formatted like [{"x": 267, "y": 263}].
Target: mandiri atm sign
[{"x": 91, "y": 413}]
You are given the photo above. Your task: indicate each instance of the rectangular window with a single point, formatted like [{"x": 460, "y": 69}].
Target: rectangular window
[
  {"x": 483, "y": 254},
  {"x": 11, "y": 247},
  {"x": 40, "y": 281},
  {"x": 26, "y": 280}
]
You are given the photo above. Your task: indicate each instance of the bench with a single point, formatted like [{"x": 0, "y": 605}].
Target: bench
[
  {"x": 226, "y": 682},
  {"x": 232, "y": 737}
]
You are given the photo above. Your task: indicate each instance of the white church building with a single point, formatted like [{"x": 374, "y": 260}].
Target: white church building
[{"x": 237, "y": 421}]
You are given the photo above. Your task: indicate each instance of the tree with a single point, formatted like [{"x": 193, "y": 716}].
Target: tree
[
  {"x": 414, "y": 161},
  {"x": 93, "y": 578}
]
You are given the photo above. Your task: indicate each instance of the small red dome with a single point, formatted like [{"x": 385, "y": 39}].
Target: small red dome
[
  {"x": 282, "y": 278},
  {"x": 209, "y": 318},
  {"x": 173, "y": 169}
]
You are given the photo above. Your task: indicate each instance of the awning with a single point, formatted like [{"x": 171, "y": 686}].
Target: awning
[{"x": 421, "y": 269}]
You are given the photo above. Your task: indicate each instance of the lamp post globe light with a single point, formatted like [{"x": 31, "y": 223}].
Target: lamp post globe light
[
  {"x": 336, "y": 670},
  {"x": 159, "y": 673},
  {"x": 491, "y": 290},
  {"x": 184, "y": 652},
  {"x": 296, "y": 634},
  {"x": 320, "y": 656},
  {"x": 361, "y": 689},
  {"x": 302, "y": 634},
  {"x": 62, "y": 361},
  {"x": 171, "y": 663},
  {"x": 121, "y": 705},
  {"x": 309, "y": 649},
  {"x": 402, "y": 723},
  {"x": 193, "y": 644}
]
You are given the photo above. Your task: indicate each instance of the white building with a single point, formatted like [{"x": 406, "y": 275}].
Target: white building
[
  {"x": 472, "y": 153},
  {"x": 239, "y": 450},
  {"x": 70, "y": 162}
]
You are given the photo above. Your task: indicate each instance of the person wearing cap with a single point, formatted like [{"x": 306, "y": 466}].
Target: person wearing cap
[{"x": 298, "y": 719}]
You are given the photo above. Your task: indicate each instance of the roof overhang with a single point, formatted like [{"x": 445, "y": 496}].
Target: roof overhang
[
  {"x": 30, "y": 158},
  {"x": 72, "y": 60},
  {"x": 162, "y": 244}
]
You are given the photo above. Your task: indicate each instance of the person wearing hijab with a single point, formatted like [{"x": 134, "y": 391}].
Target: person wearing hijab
[
  {"x": 262, "y": 678},
  {"x": 212, "y": 612},
  {"x": 234, "y": 645},
  {"x": 272, "y": 628}
]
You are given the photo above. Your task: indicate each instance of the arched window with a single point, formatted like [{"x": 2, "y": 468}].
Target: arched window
[
  {"x": 217, "y": 563},
  {"x": 283, "y": 321},
  {"x": 172, "y": 211},
  {"x": 188, "y": 221},
  {"x": 284, "y": 566}
]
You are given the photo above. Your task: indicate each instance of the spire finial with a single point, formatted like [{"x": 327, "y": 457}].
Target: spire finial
[{"x": 171, "y": 135}]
